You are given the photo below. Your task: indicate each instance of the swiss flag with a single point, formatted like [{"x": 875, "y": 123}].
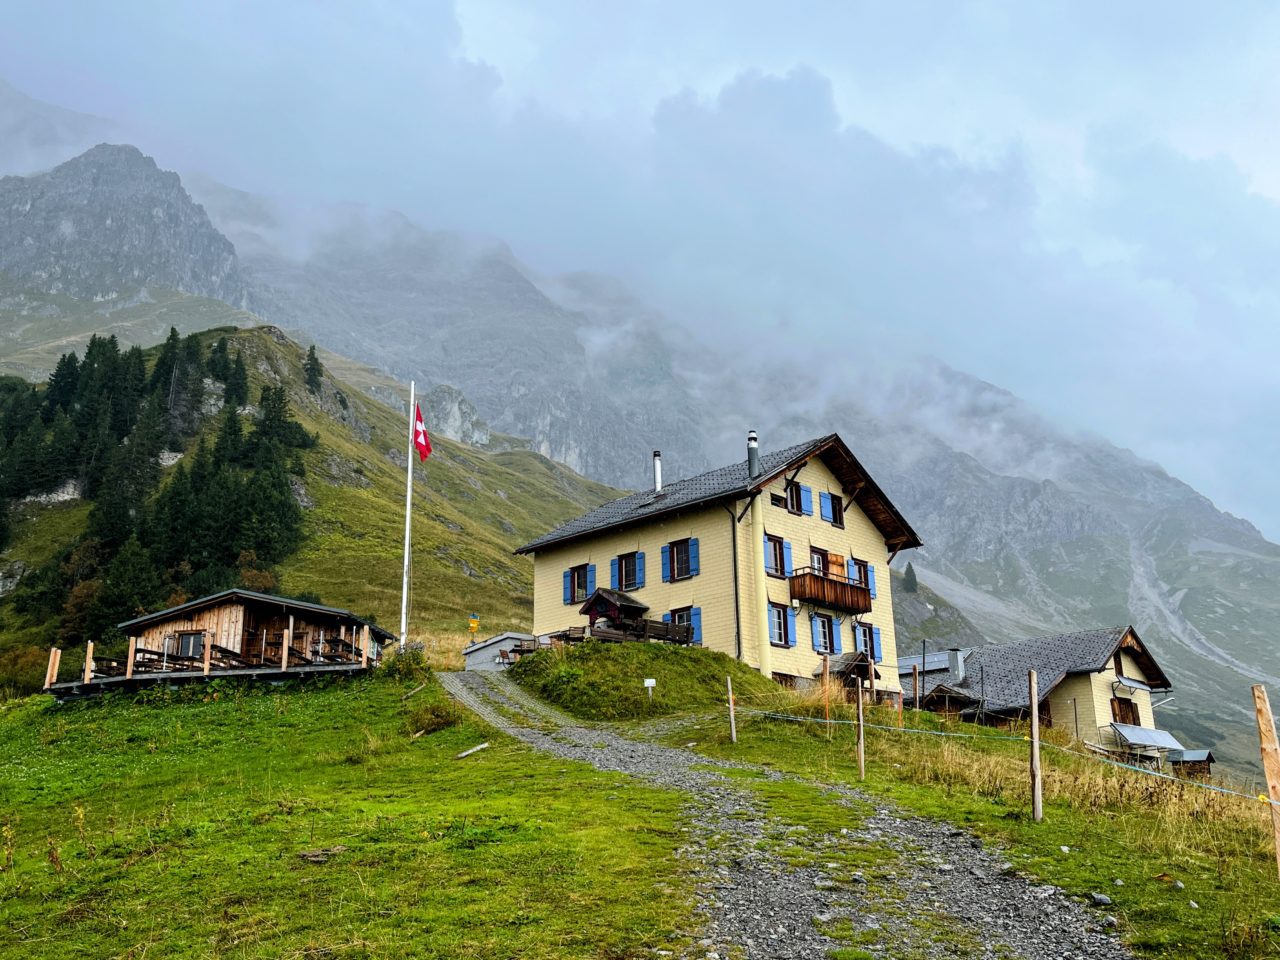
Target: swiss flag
[{"x": 421, "y": 442}]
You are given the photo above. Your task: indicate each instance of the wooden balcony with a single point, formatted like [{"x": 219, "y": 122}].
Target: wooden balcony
[{"x": 833, "y": 592}]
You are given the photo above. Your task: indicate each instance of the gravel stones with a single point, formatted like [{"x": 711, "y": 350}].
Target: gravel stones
[{"x": 921, "y": 888}]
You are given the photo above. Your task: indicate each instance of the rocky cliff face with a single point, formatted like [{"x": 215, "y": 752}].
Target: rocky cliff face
[{"x": 111, "y": 220}]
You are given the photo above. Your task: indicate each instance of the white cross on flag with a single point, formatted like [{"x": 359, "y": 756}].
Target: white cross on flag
[{"x": 421, "y": 442}]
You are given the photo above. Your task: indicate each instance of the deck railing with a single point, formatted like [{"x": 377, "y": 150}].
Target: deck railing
[{"x": 831, "y": 591}]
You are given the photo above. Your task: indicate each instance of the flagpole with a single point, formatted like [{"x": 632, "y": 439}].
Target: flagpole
[{"x": 408, "y": 510}]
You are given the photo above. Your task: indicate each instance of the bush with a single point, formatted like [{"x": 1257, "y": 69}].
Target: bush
[
  {"x": 409, "y": 665},
  {"x": 434, "y": 715}
]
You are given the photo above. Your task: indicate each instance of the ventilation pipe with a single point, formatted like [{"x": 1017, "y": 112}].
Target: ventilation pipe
[
  {"x": 657, "y": 471},
  {"x": 753, "y": 455},
  {"x": 955, "y": 664}
]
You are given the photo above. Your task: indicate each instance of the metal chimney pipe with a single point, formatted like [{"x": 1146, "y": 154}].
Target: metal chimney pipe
[
  {"x": 955, "y": 663},
  {"x": 657, "y": 471},
  {"x": 753, "y": 455}
]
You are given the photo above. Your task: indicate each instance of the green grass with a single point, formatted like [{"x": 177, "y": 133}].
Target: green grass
[
  {"x": 605, "y": 681},
  {"x": 173, "y": 828},
  {"x": 1115, "y": 825}
]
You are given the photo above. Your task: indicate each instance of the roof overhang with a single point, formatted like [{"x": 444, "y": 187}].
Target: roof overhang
[
  {"x": 286, "y": 603},
  {"x": 1132, "y": 643}
]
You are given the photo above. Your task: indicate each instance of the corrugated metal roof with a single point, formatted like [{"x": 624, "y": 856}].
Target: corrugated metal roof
[
  {"x": 1147, "y": 737},
  {"x": 733, "y": 482}
]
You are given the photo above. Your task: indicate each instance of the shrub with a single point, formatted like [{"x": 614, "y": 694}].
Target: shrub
[{"x": 434, "y": 715}]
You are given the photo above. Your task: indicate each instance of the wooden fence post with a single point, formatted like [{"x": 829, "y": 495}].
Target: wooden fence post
[
  {"x": 1270, "y": 758},
  {"x": 733, "y": 722},
  {"x": 208, "y": 652},
  {"x": 826, "y": 692},
  {"x": 49, "y": 671},
  {"x": 915, "y": 683},
  {"x": 284, "y": 646},
  {"x": 364, "y": 646},
  {"x": 88, "y": 662},
  {"x": 57, "y": 664},
  {"x": 1037, "y": 800},
  {"x": 862, "y": 743},
  {"x": 133, "y": 655}
]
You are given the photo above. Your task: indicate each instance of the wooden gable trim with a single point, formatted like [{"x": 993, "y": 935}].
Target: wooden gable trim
[{"x": 1156, "y": 677}]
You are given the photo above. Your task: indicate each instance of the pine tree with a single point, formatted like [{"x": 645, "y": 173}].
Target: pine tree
[
  {"x": 131, "y": 585},
  {"x": 219, "y": 360},
  {"x": 230, "y": 443},
  {"x": 236, "y": 393},
  {"x": 909, "y": 583},
  {"x": 61, "y": 392},
  {"x": 274, "y": 525},
  {"x": 162, "y": 374},
  {"x": 313, "y": 370}
]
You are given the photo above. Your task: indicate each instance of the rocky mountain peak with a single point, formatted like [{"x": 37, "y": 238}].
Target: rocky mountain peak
[{"x": 110, "y": 219}]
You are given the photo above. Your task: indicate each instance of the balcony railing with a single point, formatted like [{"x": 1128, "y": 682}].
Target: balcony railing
[{"x": 832, "y": 591}]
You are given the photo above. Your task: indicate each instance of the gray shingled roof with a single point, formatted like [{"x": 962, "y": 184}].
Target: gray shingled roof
[
  {"x": 997, "y": 673},
  {"x": 730, "y": 481}
]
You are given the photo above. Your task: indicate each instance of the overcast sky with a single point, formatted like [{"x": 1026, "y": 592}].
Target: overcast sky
[{"x": 1076, "y": 201}]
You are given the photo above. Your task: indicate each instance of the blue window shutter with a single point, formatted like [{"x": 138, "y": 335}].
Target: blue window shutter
[
  {"x": 835, "y": 636},
  {"x": 568, "y": 586},
  {"x": 695, "y": 620},
  {"x": 666, "y": 563},
  {"x": 693, "y": 557},
  {"x": 813, "y": 632},
  {"x": 791, "y": 627},
  {"x": 786, "y": 557},
  {"x": 591, "y": 579},
  {"x": 766, "y": 553},
  {"x": 806, "y": 501},
  {"x": 613, "y": 574},
  {"x": 871, "y": 580},
  {"x": 666, "y": 618},
  {"x": 824, "y": 504},
  {"x": 640, "y": 569},
  {"x": 875, "y": 644}
]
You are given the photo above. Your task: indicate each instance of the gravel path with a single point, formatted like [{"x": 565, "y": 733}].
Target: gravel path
[{"x": 897, "y": 886}]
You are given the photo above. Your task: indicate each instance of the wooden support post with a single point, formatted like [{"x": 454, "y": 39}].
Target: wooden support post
[
  {"x": 1037, "y": 799},
  {"x": 1270, "y": 758},
  {"x": 733, "y": 720},
  {"x": 133, "y": 655},
  {"x": 862, "y": 743},
  {"x": 364, "y": 647},
  {"x": 57, "y": 664},
  {"x": 915, "y": 683},
  {"x": 284, "y": 645},
  {"x": 50, "y": 672},
  {"x": 88, "y": 662},
  {"x": 342, "y": 640},
  {"x": 899, "y": 708},
  {"x": 208, "y": 652}
]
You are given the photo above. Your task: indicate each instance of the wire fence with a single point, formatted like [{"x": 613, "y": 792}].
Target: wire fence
[{"x": 1263, "y": 798}]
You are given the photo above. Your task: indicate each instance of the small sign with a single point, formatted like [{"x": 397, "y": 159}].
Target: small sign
[
  {"x": 473, "y": 623},
  {"x": 650, "y": 682}
]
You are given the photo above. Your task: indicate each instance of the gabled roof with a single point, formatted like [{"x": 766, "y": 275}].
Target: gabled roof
[
  {"x": 613, "y": 598},
  {"x": 482, "y": 644},
  {"x": 996, "y": 674},
  {"x": 733, "y": 483},
  {"x": 238, "y": 594}
]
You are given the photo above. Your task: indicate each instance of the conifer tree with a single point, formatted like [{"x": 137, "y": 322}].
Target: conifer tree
[
  {"x": 236, "y": 393},
  {"x": 219, "y": 360},
  {"x": 313, "y": 370},
  {"x": 130, "y": 587},
  {"x": 61, "y": 391},
  {"x": 227, "y": 448},
  {"x": 909, "y": 583}
]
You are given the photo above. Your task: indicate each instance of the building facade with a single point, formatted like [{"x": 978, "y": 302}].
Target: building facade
[{"x": 777, "y": 561}]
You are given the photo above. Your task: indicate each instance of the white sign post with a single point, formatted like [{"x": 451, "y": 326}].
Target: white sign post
[{"x": 649, "y": 684}]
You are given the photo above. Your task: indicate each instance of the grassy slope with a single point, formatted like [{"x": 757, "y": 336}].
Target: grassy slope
[
  {"x": 471, "y": 508},
  {"x": 177, "y": 825},
  {"x": 37, "y": 328},
  {"x": 606, "y": 681},
  {"x": 1116, "y": 825}
]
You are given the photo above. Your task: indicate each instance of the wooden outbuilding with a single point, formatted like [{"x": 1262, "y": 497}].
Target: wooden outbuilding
[{"x": 232, "y": 633}]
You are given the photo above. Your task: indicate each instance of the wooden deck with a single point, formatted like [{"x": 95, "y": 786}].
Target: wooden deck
[{"x": 77, "y": 689}]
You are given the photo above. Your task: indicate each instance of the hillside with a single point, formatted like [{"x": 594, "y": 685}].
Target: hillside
[
  {"x": 471, "y": 508},
  {"x": 1029, "y": 527},
  {"x": 302, "y": 822}
]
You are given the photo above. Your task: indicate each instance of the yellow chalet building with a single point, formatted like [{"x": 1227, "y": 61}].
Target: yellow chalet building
[{"x": 777, "y": 560}]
